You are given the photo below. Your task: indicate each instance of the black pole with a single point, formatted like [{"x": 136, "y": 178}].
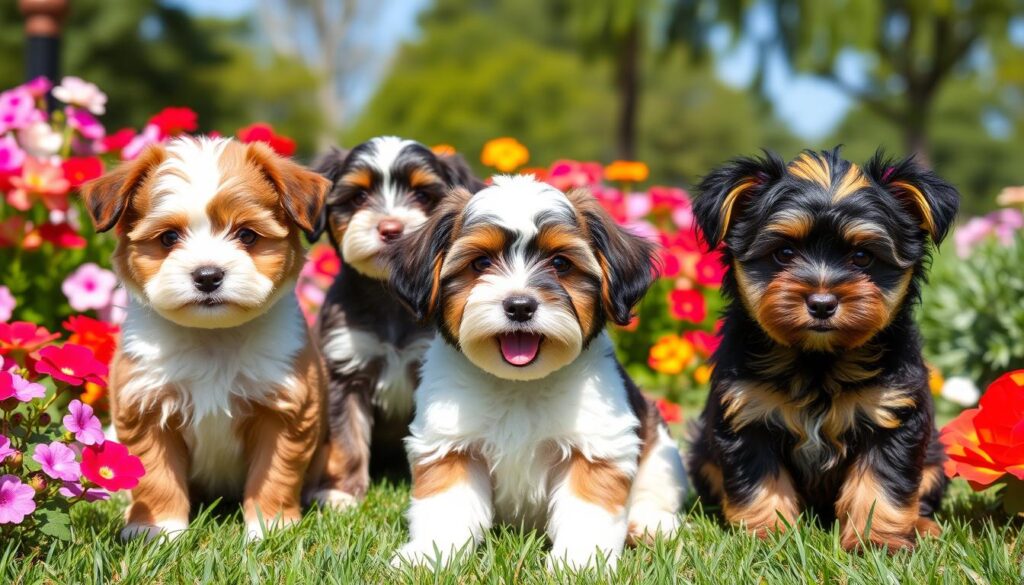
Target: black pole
[{"x": 43, "y": 20}]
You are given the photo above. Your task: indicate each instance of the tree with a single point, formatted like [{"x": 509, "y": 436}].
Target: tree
[{"x": 908, "y": 48}]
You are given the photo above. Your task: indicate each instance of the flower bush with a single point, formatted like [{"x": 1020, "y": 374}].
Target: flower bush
[
  {"x": 985, "y": 445},
  {"x": 50, "y": 463}
]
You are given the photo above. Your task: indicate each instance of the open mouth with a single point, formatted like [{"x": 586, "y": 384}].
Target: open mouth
[{"x": 519, "y": 348}]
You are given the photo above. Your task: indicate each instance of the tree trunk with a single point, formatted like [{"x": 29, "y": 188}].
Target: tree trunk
[
  {"x": 627, "y": 84},
  {"x": 915, "y": 127}
]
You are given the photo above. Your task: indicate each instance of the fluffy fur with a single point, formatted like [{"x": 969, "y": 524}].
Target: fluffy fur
[
  {"x": 820, "y": 399},
  {"x": 523, "y": 414},
  {"x": 381, "y": 189},
  {"x": 216, "y": 385}
]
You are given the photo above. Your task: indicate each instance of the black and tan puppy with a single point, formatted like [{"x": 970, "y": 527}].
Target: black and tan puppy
[
  {"x": 382, "y": 188},
  {"x": 820, "y": 397}
]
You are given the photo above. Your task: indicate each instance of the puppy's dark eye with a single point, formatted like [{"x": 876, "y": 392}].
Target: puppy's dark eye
[
  {"x": 246, "y": 236},
  {"x": 422, "y": 197},
  {"x": 784, "y": 255},
  {"x": 169, "y": 238},
  {"x": 561, "y": 264},
  {"x": 481, "y": 264},
  {"x": 862, "y": 258},
  {"x": 359, "y": 198}
]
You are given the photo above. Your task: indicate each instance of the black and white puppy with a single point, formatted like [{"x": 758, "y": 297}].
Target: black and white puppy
[
  {"x": 382, "y": 189},
  {"x": 524, "y": 415}
]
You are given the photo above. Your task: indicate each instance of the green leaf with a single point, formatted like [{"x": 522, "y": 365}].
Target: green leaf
[
  {"x": 55, "y": 523},
  {"x": 1013, "y": 496}
]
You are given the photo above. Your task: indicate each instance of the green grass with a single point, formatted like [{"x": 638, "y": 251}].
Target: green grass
[{"x": 979, "y": 545}]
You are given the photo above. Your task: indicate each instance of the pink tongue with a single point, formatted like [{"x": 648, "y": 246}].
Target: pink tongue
[{"x": 519, "y": 349}]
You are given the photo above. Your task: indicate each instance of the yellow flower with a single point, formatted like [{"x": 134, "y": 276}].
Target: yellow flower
[
  {"x": 935, "y": 380},
  {"x": 443, "y": 149},
  {"x": 670, "y": 355},
  {"x": 504, "y": 154},
  {"x": 702, "y": 375},
  {"x": 626, "y": 171},
  {"x": 93, "y": 393}
]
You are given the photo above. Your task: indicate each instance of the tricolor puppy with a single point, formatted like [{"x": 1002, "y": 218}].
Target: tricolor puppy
[
  {"x": 382, "y": 189},
  {"x": 216, "y": 386},
  {"x": 523, "y": 414},
  {"x": 820, "y": 399}
]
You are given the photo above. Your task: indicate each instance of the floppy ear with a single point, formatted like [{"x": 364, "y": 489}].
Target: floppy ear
[
  {"x": 458, "y": 174},
  {"x": 627, "y": 261},
  {"x": 302, "y": 191},
  {"x": 109, "y": 196},
  {"x": 415, "y": 261},
  {"x": 932, "y": 200},
  {"x": 723, "y": 193},
  {"x": 330, "y": 166}
]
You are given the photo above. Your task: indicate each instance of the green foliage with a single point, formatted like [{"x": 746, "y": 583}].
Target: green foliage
[
  {"x": 147, "y": 55},
  {"x": 971, "y": 316},
  {"x": 484, "y": 69}
]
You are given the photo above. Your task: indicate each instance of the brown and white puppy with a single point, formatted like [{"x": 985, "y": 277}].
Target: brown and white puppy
[
  {"x": 382, "y": 188},
  {"x": 216, "y": 386},
  {"x": 524, "y": 415}
]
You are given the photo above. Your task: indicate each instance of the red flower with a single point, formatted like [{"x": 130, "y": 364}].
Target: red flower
[
  {"x": 705, "y": 343},
  {"x": 78, "y": 170},
  {"x": 23, "y": 337},
  {"x": 710, "y": 269},
  {"x": 325, "y": 261},
  {"x": 174, "y": 121},
  {"x": 111, "y": 466},
  {"x": 566, "y": 174},
  {"x": 263, "y": 132},
  {"x": 985, "y": 443},
  {"x": 71, "y": 363},
  {"x": 667, "y": 198},
  {"x": 61, "y": 235},
  {"x": 98, "y": 336},
  {"x": 118, "y": 140},
  {"x": 670, "y": 411},
  {"x": 687, "y": 305}
]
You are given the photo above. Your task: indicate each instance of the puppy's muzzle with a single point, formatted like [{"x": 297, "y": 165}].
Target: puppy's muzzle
[
  {"x": 520, "y": 308},
  {"x": 822, "y": 305},
  {"x": 207, "y": 279}
]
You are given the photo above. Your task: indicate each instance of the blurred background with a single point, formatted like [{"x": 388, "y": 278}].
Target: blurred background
[{"x": 679, "y": 84}]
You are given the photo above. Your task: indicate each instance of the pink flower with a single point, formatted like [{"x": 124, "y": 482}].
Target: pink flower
[
  {"x": 85, "y": 123},
  {"x": 111, "y": 466},
  {"x": 114, "y": 313},
  {"x": 40, "y": 179},
  {"x": 58, "y": 461},
  {"x": 38, "y": 87},
  {"x": 72, "y": 364},
  {"x": 637, "y": 205},
  {"x": 15, "y": 500},
  {"x": 17, "y": 109},
  {"x": 84, "y": 424},
  {"x": 39, "y": 139},
  {"x": 7, "y": 303},
  {"x": 5, "y": 448},
  {"x": 14, "y": 386},
  {"x": 75, "y": 91},
  {"x": 687, "y": 305},
  {"x": 75, "y": 490},
  {"x": 566, "y": 174},
  {"x": 89, "y": 287},
  {"x": 11, "y": 155},
  {"x": 149, "y": 135}
]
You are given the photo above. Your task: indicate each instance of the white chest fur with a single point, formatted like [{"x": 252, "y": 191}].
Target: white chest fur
[
  {"x": 524, "y": 429},
  {"x": 207, "y": 376},
  {"x": 352, "y": 350}
]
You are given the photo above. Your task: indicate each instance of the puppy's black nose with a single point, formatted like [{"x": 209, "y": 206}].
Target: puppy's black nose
[
  {"x": 520, "y": 308},
  {"x": 207, "y": 278},
  {"x": 822, "y": 305}
]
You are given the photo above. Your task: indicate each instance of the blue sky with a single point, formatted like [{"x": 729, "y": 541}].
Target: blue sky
[{"x": 809, "y": 106}]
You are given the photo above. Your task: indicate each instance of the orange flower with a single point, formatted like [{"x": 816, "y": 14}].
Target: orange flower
[
  {"x": 935, "y": 380},
  {"x": 986, "y": 443},
  {"x": 443, "y": 149},
  {"x": 670, "y": 355},
  {"x": 627, "y": 171},
  {"x": 702, "y": 375},
  {"x": 504, "y": 154},
  {"x": 92, "y": 393}
]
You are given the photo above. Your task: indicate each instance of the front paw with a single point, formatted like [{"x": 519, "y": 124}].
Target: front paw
[
  {"x": 256, "y": 529},
  {"x": 335, "y": 499},
  {"x": 169, "y": 529}
]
